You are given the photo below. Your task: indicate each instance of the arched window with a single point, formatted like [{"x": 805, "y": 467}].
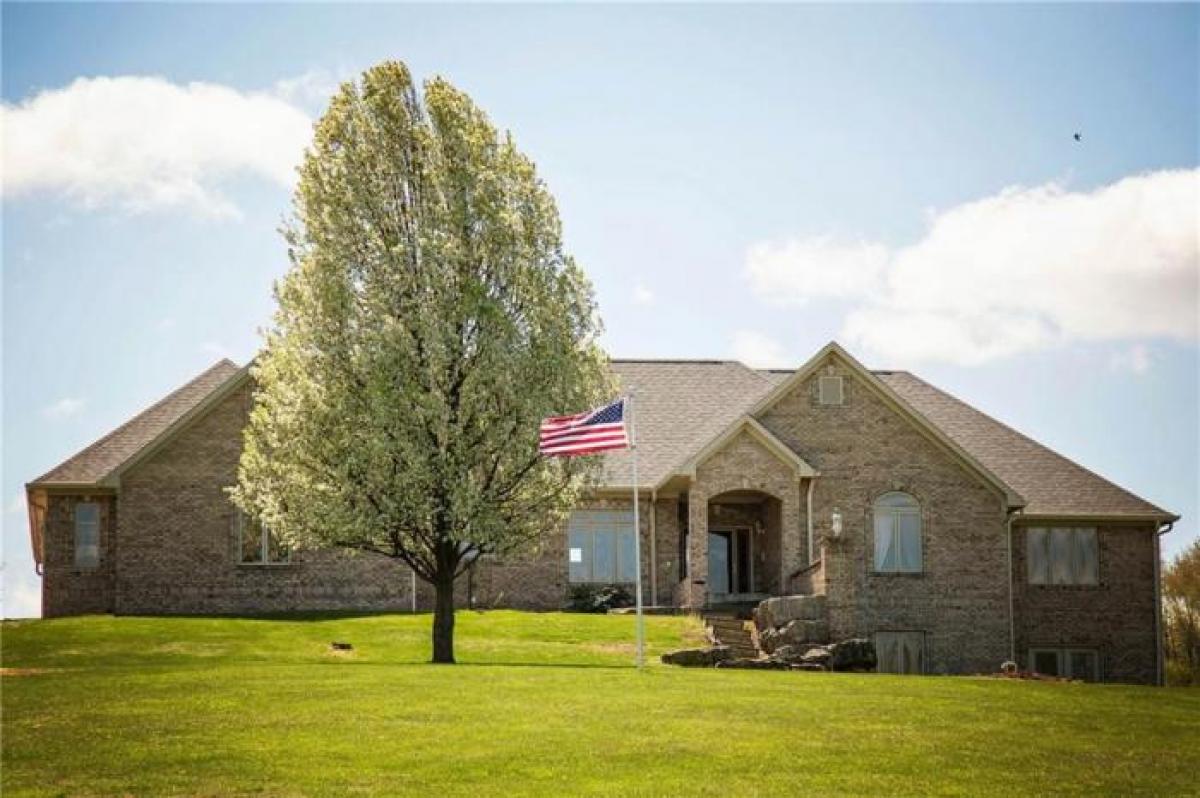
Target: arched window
[{"x": 897, "y": 534}]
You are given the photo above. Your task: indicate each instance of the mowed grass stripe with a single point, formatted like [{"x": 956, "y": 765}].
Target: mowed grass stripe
[{"x": 544, "y": 703}]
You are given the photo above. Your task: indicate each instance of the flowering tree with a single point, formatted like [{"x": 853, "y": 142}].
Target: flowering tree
[{"x": 430, "y": 319}]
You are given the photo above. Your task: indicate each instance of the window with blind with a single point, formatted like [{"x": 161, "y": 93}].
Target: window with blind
[
  {"x": 900, "y": 652},
  {"x": 601, "y": 547},
  {"x": 1062, "y": 556},
  {"x": 87, "y": 535},
  {"x": 897, "y": 534}
]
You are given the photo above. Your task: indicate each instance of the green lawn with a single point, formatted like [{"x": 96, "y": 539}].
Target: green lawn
[{"x": 541, "y": 704}]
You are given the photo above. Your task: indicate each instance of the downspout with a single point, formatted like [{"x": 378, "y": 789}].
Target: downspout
[
  {"x": 808, "y": 517},
  {"x": 1012, "y": 617},
  {"x": 1159, "y": 531},
  {"x": 653, "y": 547}
]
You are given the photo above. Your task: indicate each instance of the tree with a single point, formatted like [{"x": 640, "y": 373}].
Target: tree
[
  {"x": 429, "y": 320},
  {"x": 1181, "y": 610}
]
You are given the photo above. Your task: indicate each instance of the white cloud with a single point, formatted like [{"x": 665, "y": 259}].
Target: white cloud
[
  {"x": 1136, "y": 359},
  {"x": 16, "y": 504},
  {"x": 312, "y": 89},
  {"x": 792, "y": 272},
  {"x": 1023, "y": 270},
  {"x": 642, "y": 295},
  {"x": 63, "y": 408},
  {"x": 758, "y": 350},
  {"x": 144, "y": 143}
]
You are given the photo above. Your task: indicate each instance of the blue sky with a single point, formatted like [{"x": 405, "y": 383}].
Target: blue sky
[{"x": 738, "y": 181}]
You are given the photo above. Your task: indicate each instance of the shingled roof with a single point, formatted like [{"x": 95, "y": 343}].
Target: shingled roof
[
  {"x": 1051, "y": 484},
  {"x": 681, "y": 406},
  {"x": 96, "y": 462}
]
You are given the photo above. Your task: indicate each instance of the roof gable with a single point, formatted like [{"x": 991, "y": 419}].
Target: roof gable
[
  {"x": 833, "y": 350},
  {"x": 99, "y": 461},
  {"x": 764, "y": 436}
]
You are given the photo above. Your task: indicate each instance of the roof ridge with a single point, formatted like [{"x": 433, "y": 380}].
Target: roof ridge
[
  {"x": 1031, "y": 440},
  {"x": 678, "y": 360},
  {"x": 138, "y": 416}
]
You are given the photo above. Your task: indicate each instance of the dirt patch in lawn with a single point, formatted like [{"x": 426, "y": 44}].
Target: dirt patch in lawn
[{"x": 7, "y": 672}]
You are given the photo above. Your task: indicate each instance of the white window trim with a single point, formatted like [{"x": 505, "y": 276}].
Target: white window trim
[
  {"x": 1064, "y": 660},
  {"x": 896, "y": 513},
  {"x": 263, "y": 547}
]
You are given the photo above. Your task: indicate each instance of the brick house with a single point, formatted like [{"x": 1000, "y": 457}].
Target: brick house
[{"x": 946, "y": 536}]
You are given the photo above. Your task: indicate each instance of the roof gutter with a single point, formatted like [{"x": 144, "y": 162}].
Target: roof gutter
[
  {"x": 1159, "y": 531},
  {"x": 1012, "y": 514}
]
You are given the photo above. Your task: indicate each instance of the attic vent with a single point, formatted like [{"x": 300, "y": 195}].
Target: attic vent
[{"x": 830, "y": 391}]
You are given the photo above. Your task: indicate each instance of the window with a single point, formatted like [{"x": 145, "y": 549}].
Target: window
[
  {"x": 900, "y": 652},
  {"x": 87, "y": 535},
  {"x": 829, "y": 390},
  {"x": 258, "y": 545},
  {"x": 1063, "y": 556},
  {"x": 601, "y": 547},
  {"x": 1068, "y": 663},
  {"x": 897, "y": 534}
]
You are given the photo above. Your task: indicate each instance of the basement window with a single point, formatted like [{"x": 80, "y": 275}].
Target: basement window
[
  {"x": 1067, "y": 663},
  {"x": 900, "y": 652},
  {"x": 829, "y": 391}
]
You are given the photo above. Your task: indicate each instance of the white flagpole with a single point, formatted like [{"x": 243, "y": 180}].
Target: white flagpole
[{"x": 637, "y": 536}]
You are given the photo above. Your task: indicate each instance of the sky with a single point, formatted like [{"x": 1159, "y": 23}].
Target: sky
[{"x": 743, "y": 182}]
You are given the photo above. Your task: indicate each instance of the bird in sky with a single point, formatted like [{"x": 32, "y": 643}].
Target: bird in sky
[{"x": 1079, "y": 137}]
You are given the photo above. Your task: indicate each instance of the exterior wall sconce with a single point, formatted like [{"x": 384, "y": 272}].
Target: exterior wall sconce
[{"x": 835, "y": 523}]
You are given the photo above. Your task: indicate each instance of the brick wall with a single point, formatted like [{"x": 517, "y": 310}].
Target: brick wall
[
  {"x": 1115, "y": 617},
  {"x": 67, "y": 589},
  {"x": 862, "y": 449},
  {"x": 178, "y": 551}
]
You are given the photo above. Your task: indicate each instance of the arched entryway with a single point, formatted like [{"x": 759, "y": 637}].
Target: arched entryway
[{"x": 743, "y": 546}]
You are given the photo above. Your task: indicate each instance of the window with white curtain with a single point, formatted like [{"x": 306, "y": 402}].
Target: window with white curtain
[
  {"x": 897, "y": 534},
  {"x": 601, "y": 547},
  {"x": 900, "y": 652},
  {"x": 1062, "y": 556},
  {"x": 87, "y": 535}
]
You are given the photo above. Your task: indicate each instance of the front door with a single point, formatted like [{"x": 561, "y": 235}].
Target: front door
[{"x": 730, "y": 564}]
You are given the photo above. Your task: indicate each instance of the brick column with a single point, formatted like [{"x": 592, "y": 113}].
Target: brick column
[{"x": 696, "y": 590}]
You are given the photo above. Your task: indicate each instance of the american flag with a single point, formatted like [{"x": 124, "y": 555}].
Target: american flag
[{"x": 599, "y": 430}]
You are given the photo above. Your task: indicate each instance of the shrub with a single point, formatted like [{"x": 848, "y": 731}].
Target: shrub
[{"x": 598, "y": 598}]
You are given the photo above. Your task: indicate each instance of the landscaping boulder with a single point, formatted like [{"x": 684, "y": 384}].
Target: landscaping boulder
[
  {"x": 754, "y": 664},
  {"x": 816, "y": 657},
  {"x": 793, "y": 653},
  {"x": 856, "y": 654},
  {"x": 775, "y": 612},
  {"x": 793, "y": 633},
  {"x": 697, "y": 657}
]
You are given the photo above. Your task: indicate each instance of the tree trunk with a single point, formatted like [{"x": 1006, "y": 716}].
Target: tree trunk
[{"x": 443, "y": 621}]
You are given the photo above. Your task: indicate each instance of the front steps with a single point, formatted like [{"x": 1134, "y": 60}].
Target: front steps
[{"x": 726, "y": 629}]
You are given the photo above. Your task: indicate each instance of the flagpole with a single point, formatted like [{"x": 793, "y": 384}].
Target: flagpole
[{"x": 637, "y": 533}]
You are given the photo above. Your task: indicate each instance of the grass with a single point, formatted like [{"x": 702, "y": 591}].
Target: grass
[{"x": 540, "y": 704}]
